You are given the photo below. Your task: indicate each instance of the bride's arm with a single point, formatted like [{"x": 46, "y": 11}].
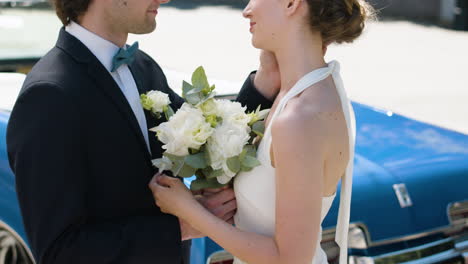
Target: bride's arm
[{"x": 299, "y": 151}]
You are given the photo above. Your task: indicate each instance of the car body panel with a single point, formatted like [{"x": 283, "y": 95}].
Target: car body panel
[{"x": 9, "y": 207}]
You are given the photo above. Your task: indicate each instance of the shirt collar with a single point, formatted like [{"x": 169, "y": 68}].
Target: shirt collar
[{"x": 103, "y": 49}]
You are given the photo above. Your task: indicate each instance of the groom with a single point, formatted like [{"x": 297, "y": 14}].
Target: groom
[{"x": 79, "y": 145}]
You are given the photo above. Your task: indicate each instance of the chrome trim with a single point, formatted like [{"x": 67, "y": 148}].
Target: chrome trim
[
  {"x": 449, "y": 229},
  {"x": 357, "y": 238},
  {"x": 446, "y": 241},
  {"x": 458, "y": 208},
  {"x": 437, "y": 258},
  {"x": 403, "y": 195},
  {"x": 220, "y": 255},
  {"x": 462, "y": 246},
  {"x": 444, "y": 250},
  {"x": 15, "y": 235},
  {"x": 329, "y": 234}
]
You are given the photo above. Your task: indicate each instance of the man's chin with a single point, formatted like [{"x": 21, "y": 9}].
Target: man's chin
[{"x": 144, "y": 30}]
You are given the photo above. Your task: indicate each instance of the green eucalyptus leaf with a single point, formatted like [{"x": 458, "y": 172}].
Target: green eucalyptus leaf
[
  {"x": 243, "y": 154},
  {"x": 186, "y": 88},
  {"x": 168, "y": 112},
  {"x": 196, "y": 161},
  {"x": 206, "y": 171},
  {"x": 245, "y": 169},
  {"x": 193, "y": 99},
  {"x": 199, "y": 184},
  {"x": 250, "y": 162},
  {"x": 173, "y": 158},
  {"x": 234, "y": 164},
  {"x": 199, "y": 79},
  {"x": 195, "y": 90},
  {"x": 177, "y": 166},
  {"x": 251, "y": 150},
  {"x": 259, "y": 128},
  {"x": 247, "y": 150},
  {"x": 207, "y": 157},
  {"x": 186, "y": 171},
  {"x": 214, "y": 174},
  {"x": 203, "y": 99}
]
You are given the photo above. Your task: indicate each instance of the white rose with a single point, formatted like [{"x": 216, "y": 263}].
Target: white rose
[
  {"x": 159, "y": 100},
  {"x": 186, "y": 129},
  {"x": 228, "y": 140},
  {"x": 232, "y": 112}
]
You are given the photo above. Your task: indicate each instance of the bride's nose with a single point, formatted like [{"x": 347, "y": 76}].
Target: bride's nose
[{"x": 247, "y": 12}]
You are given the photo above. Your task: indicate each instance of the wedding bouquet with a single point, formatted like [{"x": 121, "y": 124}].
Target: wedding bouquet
[{"x": 213, "y": 139}]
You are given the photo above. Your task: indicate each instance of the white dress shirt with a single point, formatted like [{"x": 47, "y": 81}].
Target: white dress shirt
[{"x": 104, "y": 51}]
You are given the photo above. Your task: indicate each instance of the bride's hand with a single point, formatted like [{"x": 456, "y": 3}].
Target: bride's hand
[
  {"x": 267, "y": 79},
  {"x": 171, "y": 195}
]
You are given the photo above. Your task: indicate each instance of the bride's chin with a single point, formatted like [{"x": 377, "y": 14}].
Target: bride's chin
[{"x": 256, "y": 44}]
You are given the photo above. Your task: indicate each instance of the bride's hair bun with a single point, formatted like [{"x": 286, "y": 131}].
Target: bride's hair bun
[{"x": 339, "y": 20}]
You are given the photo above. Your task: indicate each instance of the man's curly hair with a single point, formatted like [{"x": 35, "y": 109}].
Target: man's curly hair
[{"x": 70, "y": 10}]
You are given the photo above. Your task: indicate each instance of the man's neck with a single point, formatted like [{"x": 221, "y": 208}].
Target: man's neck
[{"x": 100, "y": 28}]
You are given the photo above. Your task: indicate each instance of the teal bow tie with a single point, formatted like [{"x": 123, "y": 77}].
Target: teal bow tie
[{"x": 124, "y": 56}]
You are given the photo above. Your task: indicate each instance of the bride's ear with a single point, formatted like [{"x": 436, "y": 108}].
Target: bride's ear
[{"x": 292, "y": 6}]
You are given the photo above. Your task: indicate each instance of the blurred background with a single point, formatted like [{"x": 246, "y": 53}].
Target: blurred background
[{"x": 412, "y": 61}]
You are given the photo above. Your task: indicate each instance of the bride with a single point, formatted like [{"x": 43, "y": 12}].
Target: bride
[{"x": 307, "y": 148}]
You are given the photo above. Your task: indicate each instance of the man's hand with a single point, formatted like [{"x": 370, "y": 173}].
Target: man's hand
[
  {"x": 220, "y": 202},
  {"x": 187, "y": 231},
  {"x": 267, "y": 80}
]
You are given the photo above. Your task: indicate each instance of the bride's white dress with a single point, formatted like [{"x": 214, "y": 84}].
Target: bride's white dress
[{"x": 255, "y": 190}]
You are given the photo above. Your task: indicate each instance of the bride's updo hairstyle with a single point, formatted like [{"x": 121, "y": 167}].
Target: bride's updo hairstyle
[{"x": 338, "y": 20}]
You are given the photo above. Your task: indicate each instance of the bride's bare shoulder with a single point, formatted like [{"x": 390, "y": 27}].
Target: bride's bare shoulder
[{"x": 315, "y": 113}]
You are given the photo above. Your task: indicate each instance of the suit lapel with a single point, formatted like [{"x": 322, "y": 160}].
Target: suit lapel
[
  {"x": 150, "y": 120},
  {"x": 104, "y": 81}
]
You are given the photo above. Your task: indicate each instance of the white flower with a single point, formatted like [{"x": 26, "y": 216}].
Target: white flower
[
  {"x": 228, "y": 140},
  {"x": 186, "y": 129},
  {"x": 232, "y": 112},
  {"x": 158, "y": 101},
  {"x": 258, "y": 115},
  {"x": 209, "y": 107},
  {"x": 223, "y": 179},
  {"x": 162, "y": 164}
]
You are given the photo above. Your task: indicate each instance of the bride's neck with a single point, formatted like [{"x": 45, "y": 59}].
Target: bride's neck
[{"x": 297, "y": 57}]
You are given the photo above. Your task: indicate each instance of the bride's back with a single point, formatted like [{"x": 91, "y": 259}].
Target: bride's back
[{"x": 321, "y": 101}]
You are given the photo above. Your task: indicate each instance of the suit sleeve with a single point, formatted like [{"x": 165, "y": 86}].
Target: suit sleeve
[
  {"x": 47, "y": 155},
  {"x": 249, "y": 96}
]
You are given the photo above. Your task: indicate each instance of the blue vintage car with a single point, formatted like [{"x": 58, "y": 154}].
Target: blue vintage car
[{"x": 409, "y": 203}]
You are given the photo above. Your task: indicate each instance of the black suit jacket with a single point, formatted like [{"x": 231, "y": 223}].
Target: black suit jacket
[{"x": 82, "y": 166}]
